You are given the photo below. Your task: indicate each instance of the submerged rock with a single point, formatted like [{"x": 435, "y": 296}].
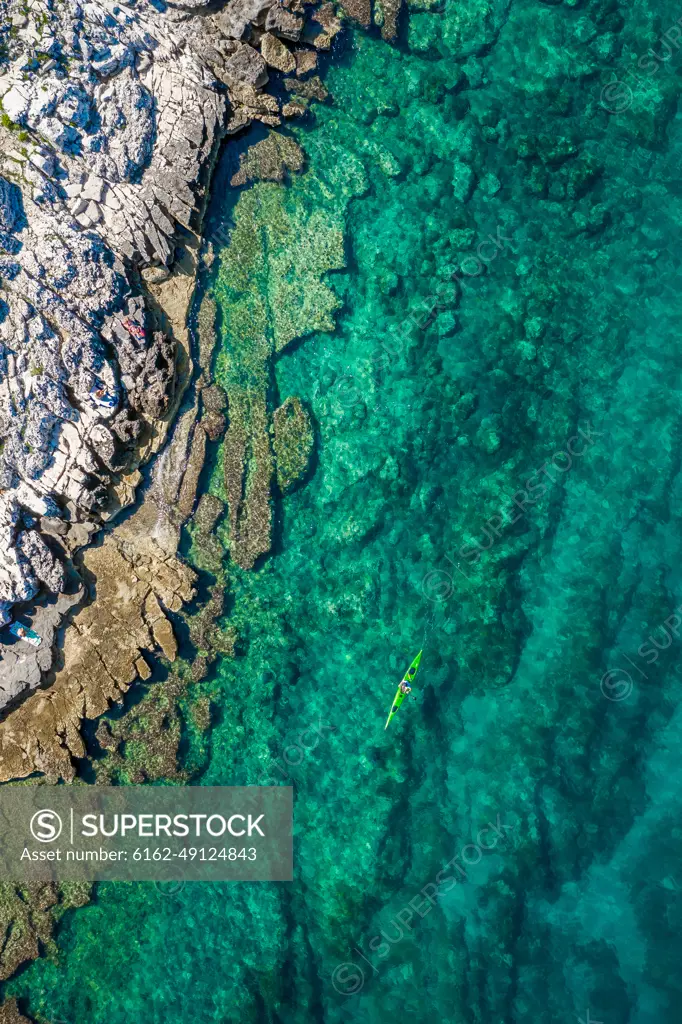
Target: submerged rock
[
  {"x": 215, "y": 406},
  {"x": 269, "y": 160},
  {"x": 271, "y": 293},
  {"x": 28, "y": 914},
  {"x": 359, "y": 10},
  {"x": 293, "y": 441},
  {"x": 9, "y": 1013}
]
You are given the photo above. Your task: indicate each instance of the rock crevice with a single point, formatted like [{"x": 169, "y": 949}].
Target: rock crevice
[{"x": 111, "y": 119}]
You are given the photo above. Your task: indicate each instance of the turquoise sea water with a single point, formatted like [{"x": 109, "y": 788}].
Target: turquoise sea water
[{"x": 497, "y": 479}]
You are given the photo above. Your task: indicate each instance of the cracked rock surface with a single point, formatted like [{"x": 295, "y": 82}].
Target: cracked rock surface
[
  {"x": 104, "y": 653},
  {"x": 111, "y": 117}
]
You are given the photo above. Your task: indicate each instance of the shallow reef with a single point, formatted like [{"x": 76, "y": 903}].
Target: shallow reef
[
  {"x": 270, "y": 291},
  {"x": 293, "y": 442}
]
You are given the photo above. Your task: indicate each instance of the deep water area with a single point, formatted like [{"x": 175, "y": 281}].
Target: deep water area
[{"x": 474, "y": 288}]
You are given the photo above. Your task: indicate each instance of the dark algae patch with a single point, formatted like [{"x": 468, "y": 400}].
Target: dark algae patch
[{"x": 472, "y": 289}]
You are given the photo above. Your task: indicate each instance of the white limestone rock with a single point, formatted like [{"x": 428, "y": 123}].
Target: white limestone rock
[
  {"x": 107, "y": 157},
  {"x": 16, "y": 102}
]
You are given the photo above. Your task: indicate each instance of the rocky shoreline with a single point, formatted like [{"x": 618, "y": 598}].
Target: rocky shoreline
[
  {"x": 111, "y": 124},
  {"x": 104, "y": 173},
  {"x": 111, "y": 121}
]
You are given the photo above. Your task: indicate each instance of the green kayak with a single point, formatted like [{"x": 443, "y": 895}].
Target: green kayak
[{"x": 400, "y": 696}]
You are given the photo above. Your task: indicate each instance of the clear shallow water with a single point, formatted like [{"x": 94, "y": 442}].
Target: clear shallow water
[{"x": 571, "y": 903}]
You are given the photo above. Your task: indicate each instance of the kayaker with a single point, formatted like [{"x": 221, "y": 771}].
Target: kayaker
[{"x": 404, "y": 688}]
